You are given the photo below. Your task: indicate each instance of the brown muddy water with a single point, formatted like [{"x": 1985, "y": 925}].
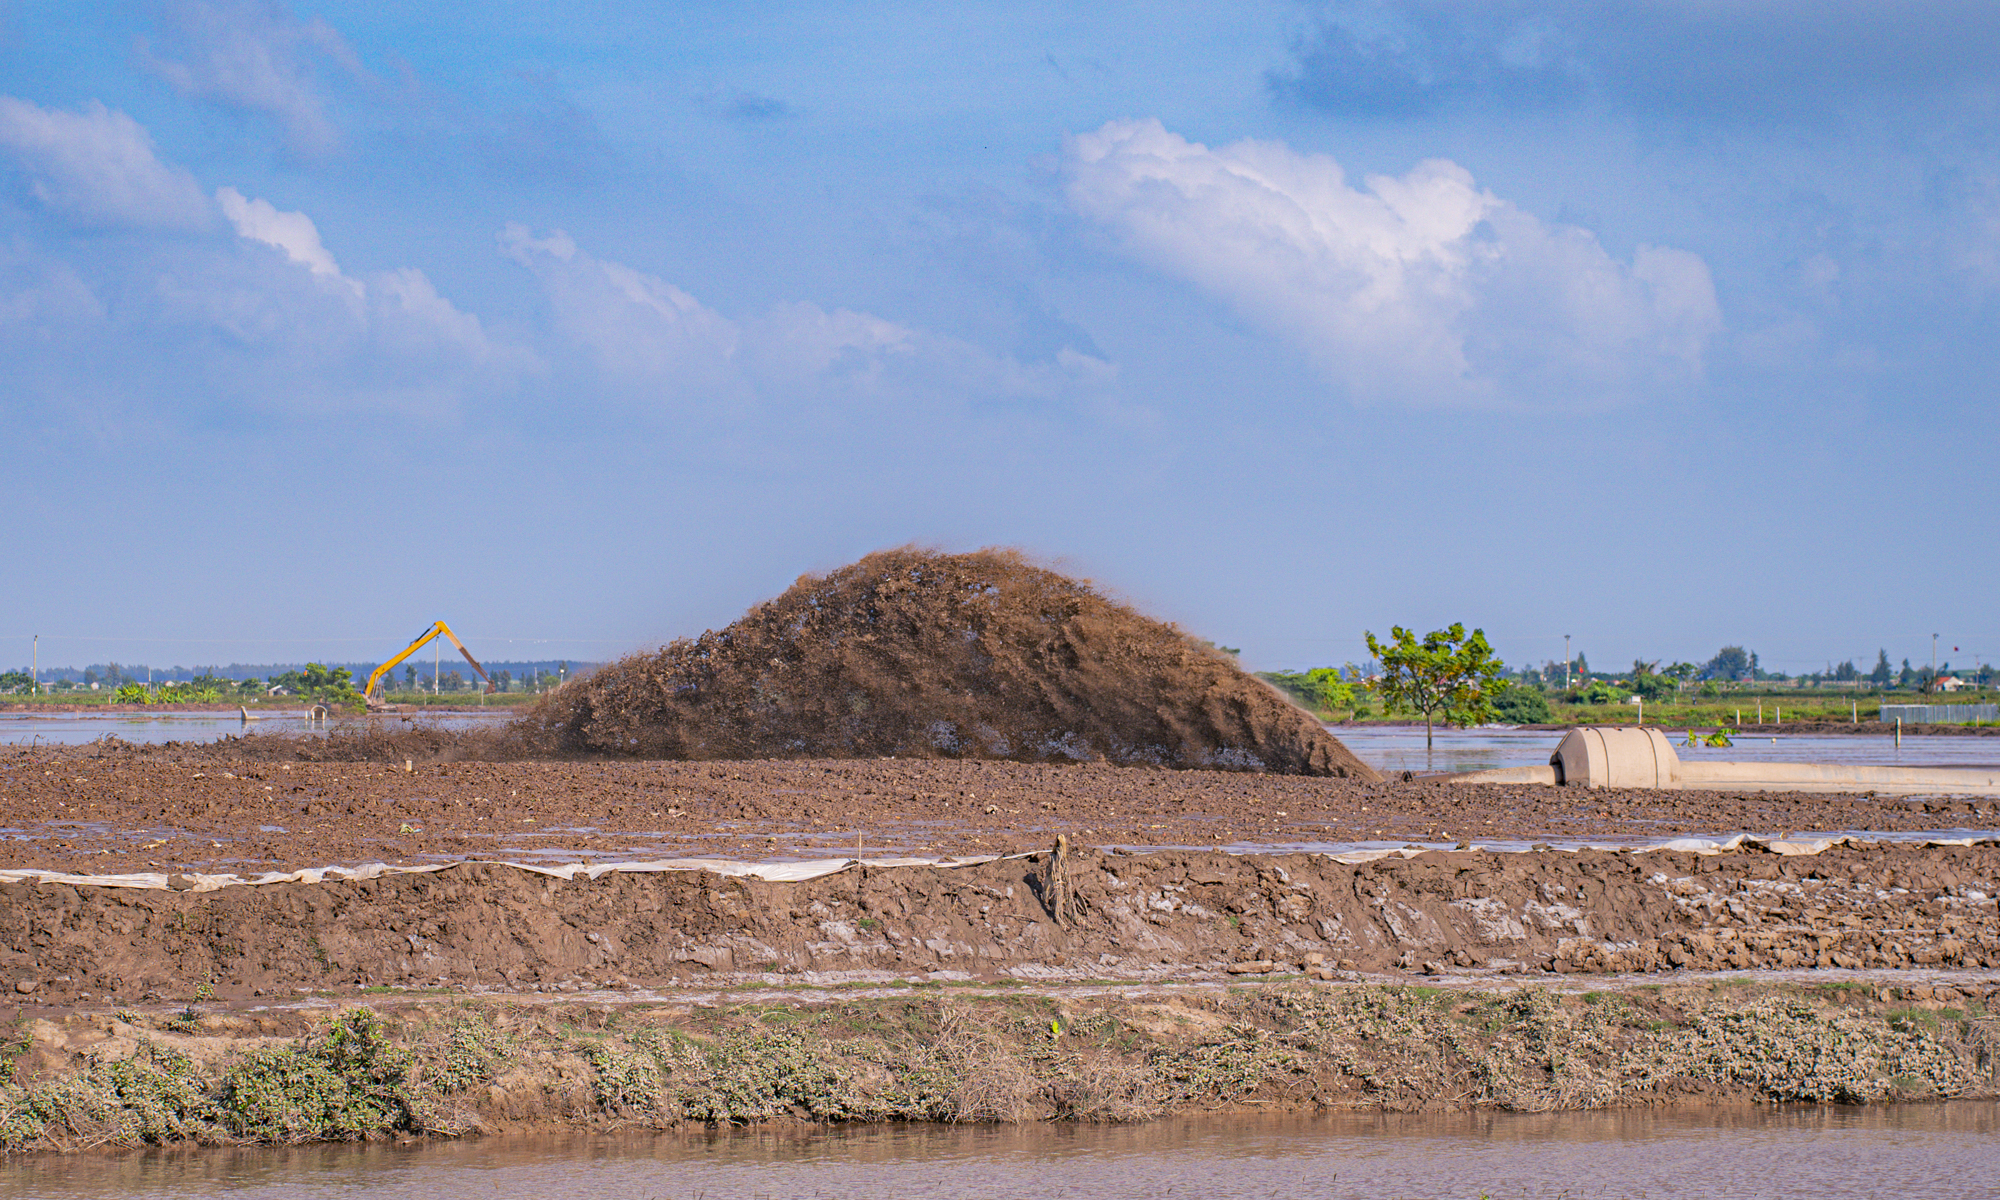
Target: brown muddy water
[{"x": 1937, "y": 1150}]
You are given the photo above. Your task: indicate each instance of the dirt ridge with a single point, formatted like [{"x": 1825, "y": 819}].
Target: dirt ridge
[{"x": 1167, "y": 915}]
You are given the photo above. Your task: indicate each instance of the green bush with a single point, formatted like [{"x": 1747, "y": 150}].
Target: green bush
[
  {"x": 345, "y": 1082},
  {"x": 1652, "y": 686},
  {"x": 1522, "y": 706},
  {"x": 1599, "y": 692}
]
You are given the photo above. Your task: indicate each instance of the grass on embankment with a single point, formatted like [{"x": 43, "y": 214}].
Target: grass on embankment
[{"x": 449, "y": 1069}]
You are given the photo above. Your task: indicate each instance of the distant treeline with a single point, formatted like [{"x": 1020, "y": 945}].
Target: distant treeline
[{"x": 113, "y": 674}]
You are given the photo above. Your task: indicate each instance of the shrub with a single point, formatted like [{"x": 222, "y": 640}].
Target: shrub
[
  {"x": 345, "y": 1082},
  {"x": 1522, "y": 706},
  {"x": 1599, "y": 692}
]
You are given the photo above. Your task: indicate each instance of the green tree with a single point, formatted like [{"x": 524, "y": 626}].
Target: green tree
[
  {"x": 1731, "y": 663},
  {"x": 1319, "y": 690},
  {"x": 1445, "y": 675},
  {"x": 1599, "y": 692},
  {"x": 1519, "y": 705},
  {"x": 1882, "y": 673},
  {"x": 1654, "y": 685},
  {"x": 318, "y": 682}
]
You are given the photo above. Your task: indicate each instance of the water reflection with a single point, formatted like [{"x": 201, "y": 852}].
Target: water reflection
[
  {"x": 1905, "y": 1151},
  {"x": 75, "y": 729},
  {"x": 1397, "y": 748}
]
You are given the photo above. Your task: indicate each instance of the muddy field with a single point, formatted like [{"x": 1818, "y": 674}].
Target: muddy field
[
  {"x": 1154, "y": 898},
  {"x": 1178, "y": 977},
  {"x": 250, "y": 805}
]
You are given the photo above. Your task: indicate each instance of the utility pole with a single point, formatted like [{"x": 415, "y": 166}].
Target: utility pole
[
  {"x": 35, "y": 672},
  {"x": 1934, "y": 660},
  {"x": 1566, "y": 661}
]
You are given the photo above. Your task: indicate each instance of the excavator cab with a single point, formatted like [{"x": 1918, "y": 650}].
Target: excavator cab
[{"x": 375, "y": 701}]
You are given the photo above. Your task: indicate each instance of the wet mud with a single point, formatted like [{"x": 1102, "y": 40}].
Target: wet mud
[{"x": 276, "y": 803}]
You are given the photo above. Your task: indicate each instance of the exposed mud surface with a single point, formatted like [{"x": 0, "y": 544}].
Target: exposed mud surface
[
  {"x": 1164, "y": 915},
  {"x": 926, "y": 655},
  {"x": 253, "y": 805}
]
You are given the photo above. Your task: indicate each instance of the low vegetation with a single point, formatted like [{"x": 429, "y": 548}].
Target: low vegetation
[{"x": 932, "y": 1056}]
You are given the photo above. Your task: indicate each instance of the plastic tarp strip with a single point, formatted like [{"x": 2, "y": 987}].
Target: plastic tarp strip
[
  {"x": 795, "y": 872},
  {"x": 782, "y": 872}
]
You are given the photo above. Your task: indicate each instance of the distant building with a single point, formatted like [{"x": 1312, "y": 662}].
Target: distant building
[{"x": 1950, "y": 683}]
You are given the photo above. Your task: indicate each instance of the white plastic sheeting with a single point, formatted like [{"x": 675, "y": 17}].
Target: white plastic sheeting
[
  {"x": 783, "y": 872},
  {"x": 793, "y": 872}
]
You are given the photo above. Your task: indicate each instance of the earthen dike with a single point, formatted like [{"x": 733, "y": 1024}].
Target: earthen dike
[{"x": 1152, "y": 906}]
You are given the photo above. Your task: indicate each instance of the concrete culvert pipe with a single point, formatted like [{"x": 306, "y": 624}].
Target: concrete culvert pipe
[{"x": 1621, "y": 756}]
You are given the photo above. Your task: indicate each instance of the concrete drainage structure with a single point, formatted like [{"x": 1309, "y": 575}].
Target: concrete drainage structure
[{"x": 1624, "y": 757}]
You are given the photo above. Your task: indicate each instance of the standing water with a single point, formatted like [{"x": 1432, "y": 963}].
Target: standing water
[
  {"x": 76, "y": 729},
  {"x": 1944, "y": 1150},
  {"x": 1390, "y": 748}
]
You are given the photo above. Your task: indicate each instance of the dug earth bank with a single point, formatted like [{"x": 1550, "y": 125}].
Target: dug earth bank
[{"x": 1181, "y": 978}]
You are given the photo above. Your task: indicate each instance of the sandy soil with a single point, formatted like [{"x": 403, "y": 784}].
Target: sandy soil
[{"x": 95, "y": 810}]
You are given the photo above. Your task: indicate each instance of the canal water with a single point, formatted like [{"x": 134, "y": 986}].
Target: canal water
[{"x": 1905, "y": 1151}]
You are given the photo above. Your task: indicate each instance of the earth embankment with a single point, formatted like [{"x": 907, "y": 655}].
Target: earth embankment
[
  {"x": 403, "y": 1068},
  {"x": 1171, "y": 915}
]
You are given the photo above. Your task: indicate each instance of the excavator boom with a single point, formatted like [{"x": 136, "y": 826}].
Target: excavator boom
[{"x": 424, "y": 639}]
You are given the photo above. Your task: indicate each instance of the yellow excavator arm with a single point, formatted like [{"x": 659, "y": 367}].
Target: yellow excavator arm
[{"x": 423, "y": 639}]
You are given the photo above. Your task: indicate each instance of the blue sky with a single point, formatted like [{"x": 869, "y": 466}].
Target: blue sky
[{"x": 1664, "y": 325}]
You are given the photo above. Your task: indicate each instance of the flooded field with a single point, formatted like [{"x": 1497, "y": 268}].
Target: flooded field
[
  {"x": 1390, "y": 748},
  {"x": 1387, "y": 748},
  {"x": 154, "y": 729},
  {"x": 1828, "y": 1153}
]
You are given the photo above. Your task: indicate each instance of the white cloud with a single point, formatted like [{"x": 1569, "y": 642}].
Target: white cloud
[
  {"x": 292, "y": 232},
  {"x": 97, "y": 166},
  {"x": 258, "y": 57},
  {"x": 304, "y": 304},
  {"x": 658, "y": 342},
  {"x": 1421, "y": 288},
  {"x": 634, "y": 324}
]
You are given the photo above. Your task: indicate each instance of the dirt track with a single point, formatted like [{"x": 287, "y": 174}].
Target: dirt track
[{"x": 219, "y": 809}]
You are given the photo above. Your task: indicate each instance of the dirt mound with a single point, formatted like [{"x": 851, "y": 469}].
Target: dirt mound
[{"x": 917, "y": 654}]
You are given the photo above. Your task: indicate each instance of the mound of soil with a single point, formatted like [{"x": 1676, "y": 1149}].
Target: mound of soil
[{"x": 911, "y": 653}]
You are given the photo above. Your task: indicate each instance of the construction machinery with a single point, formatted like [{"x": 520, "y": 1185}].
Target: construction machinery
[{"x": 437, "y": 628}]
